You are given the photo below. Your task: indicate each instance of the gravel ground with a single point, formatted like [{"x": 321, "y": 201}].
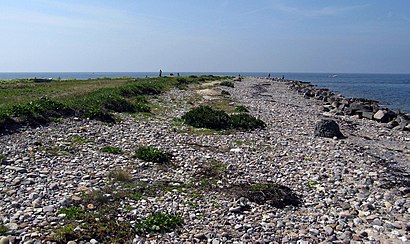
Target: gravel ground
[{"x": 352, "y": 190}]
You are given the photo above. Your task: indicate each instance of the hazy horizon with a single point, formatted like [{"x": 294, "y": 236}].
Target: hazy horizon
[{"x": 293, "y": 36}]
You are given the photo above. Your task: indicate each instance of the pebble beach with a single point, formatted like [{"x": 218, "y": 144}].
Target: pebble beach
[{"x": 352, "y": 190}]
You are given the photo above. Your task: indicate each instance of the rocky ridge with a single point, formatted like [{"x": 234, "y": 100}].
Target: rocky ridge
[{"x": 355, "y": 188}]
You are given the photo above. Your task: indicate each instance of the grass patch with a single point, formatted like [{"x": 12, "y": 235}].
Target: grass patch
[
  {"x": 3, "y": 229},
  {"x": 112, "y": 150},
  {"x": 72, "y": 212},
  {"x": 152, "y": 154},
  {"x": 227, "y": 83},
  {"x": 30, "y": 103},
  {"x": 119, "y": 175},
  {"x": 102, "y": 228},
  {"x": 159, "y": 222}
]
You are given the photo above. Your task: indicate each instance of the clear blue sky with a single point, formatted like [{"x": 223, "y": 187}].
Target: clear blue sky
[{"x": 205, "y": 35}]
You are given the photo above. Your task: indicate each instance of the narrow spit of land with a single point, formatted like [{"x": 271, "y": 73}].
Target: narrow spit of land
[{"x": 350, "y": 189}]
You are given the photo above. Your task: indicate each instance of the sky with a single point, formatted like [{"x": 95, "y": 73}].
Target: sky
[{"x": 350, "y": 36}]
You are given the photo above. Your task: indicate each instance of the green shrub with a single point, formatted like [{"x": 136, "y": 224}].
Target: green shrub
[
  {"x": 142, "y": 108},
  {"x": 241, "y": 109},
  {"x": 246, "y": 122},
  {"x": 227, "y": 83},
  {"x": 207, "y": 117},
  {"x": 152, "y": 154},
  {"x": 111, "y": 149},
  {"x": 3, "y": 230},
  {"x": 159, "y": 222},
  {"x": 72, "y": 212},
  {"x": 37, "y": 112}
]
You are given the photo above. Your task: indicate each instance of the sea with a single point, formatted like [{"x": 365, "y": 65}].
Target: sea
[{"x": 390, "y": 90}]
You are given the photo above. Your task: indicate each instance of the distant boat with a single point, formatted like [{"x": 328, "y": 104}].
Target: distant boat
[{"x": 333, "y": 76}]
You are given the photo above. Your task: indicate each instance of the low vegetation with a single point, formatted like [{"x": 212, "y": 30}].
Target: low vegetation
[
  {"x": 72, "y": 212},
  {"x": 159, "y": 222},
  {"x": 152, "y": 154},
  {"x": 241, "y": 109},
  {"x": 112, "y": 150},
  {"x": 3, "y": 229},
  {"x": 207, "y": 117},
  {"x": 246, "y": 122},
  {"x": 33, "y": 104},
  {"x": 227, "y": 83}
]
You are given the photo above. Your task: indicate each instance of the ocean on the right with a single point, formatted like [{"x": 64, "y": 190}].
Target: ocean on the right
[{"x": 390, "y": 90}]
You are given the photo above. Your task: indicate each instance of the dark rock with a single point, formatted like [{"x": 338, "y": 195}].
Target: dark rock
[
  {"x": 327, "y": 128},
  {"x": 367, "y": 114},
  {"x": 392, "y": 124}
]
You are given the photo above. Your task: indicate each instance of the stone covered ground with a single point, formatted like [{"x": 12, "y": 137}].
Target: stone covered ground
[{"x": 351, "y": 190}]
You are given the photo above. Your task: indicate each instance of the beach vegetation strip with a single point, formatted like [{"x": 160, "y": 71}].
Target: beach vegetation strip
[{"x": 31, "y": 103}]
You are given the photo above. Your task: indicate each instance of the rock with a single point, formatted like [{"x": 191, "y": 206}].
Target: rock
[
  {"x": 327, "y": 128},
  {"x": 48, "y": 209},
  {"x": 4, "y": 240},
  {"x": 392, "y": 124},
  {"x": 329, "y": 230},
  {"x": 384, "y": 116},
  {"x": 12, "y": 226}
]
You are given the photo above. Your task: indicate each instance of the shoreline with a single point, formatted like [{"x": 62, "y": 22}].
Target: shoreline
[
  {"x": 350, "y": 188},
  {"x": 362, "y": 107}
]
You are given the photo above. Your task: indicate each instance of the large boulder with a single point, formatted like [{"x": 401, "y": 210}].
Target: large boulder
[
  {"x": 328, "y": 128},
  {"x": 384, "y": 116}
]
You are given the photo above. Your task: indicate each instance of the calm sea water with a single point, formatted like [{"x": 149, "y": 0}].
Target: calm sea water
[{"x": 391, "y": 90}]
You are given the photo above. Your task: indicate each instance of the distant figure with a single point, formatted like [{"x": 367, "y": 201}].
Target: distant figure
[
  {"x": 269, "y": 76},
  {"x": 283, "y": 77},
  {"x": 160, "y": 73},
  {"x": 178, "y": 74},
  {"x": 146, "y": 76}
]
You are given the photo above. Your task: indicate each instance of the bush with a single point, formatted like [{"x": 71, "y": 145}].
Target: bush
[
  {"x": 246, "y": 122},
  {"x": 159, "y": 222},
  {"x": 206, "y": 117},
  {"x": 152, "y": 154},
  {"x": 227, "y": 83}
]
